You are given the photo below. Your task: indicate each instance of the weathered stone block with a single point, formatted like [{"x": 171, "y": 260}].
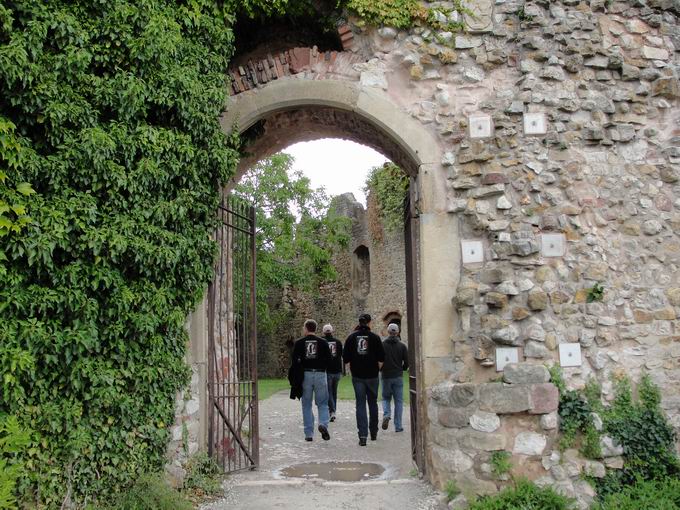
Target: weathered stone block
[
  {"x": 609, "y": 447},
  {"x": 529, "y": 443},
  {"x": 496, "y": 300},
  {"x": 537, "y": 299},
  {"x": 536, "y": 350},
  {"x": 488, "y": 442},
  {"x": 452, "y": 461},
  {"x": 485, "y": 422},
  {"x": 545, "y": 398},
  {"x": 463, "y": 394},
  {"x": 455, "y": 417},
  {"x": 507, "y": 336},
  {"x": 503, "y": 399},
  {"x": 525, "y": 373}
]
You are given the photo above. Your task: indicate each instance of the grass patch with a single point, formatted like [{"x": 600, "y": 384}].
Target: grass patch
[{"x": 268, "y": 387}]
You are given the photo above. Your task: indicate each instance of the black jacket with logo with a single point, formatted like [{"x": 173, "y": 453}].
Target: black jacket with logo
[
  {"x": 312, "y": 353},
  {"x": 335, "y": 347},
  {"x": 363, "y": 351}
]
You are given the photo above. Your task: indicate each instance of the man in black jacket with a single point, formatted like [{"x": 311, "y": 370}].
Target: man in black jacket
[
  {"x": 312, "y": 353},
  {"x": 396, "y": 362},
  {"x": 364, "y": 354},
  {"x": 334, "y": 373}
]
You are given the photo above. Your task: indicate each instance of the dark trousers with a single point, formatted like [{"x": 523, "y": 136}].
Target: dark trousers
[
  {"x": 366, "y": 390},
  {"x": 333, "y": 381}
]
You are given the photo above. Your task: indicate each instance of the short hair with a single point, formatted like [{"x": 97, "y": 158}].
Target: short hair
[
  {"x": 310, "y": 325},
  {"x": 328, "y": 328},
  {"x": 392, "y": 328}
]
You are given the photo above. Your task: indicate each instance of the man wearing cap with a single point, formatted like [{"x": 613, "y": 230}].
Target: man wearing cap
[
  {"x": 312, "y": 353},
  {"x": 364, "y": 354},
  {"x": 334, "y": 373},
  {"x": 396, "y": 362}
]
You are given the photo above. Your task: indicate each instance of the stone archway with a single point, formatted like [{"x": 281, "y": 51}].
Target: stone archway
[{"x": 346, "y": 109}]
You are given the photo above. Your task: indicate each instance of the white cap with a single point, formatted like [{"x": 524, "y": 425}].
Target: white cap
[
  {"x": 392, "y": 328},
  {"x": 327, "y": 329}
]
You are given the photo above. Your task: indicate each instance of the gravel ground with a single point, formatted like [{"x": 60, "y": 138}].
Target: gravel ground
[{"x": 282, "y": 445}]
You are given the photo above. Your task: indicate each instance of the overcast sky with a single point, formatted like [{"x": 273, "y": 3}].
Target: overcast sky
[{"x": 337, "y": 165}]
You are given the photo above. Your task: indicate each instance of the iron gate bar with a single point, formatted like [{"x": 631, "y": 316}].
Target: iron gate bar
[{"x": 232, "y": 336}]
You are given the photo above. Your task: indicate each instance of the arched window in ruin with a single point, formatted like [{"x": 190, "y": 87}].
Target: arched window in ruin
[
  {"x": 392, "y": 318},
  {"x": 361, "y": 272}
]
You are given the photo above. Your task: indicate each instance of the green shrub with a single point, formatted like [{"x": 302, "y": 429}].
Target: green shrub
[
  {"x": 500, "y": 463},
  {"x": 13, "y": 441},
  {"x": 647, "y": 438},
  {"x": 451, "y": 490},
  {"x": 524, "y": 495},
  {"x": 204, "y": 475},
  {"x": 150, "y": 492},
  {"x": 645, "y": 495}
]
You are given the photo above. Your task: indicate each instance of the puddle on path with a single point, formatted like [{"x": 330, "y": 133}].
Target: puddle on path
[{"x": 335, "y": 471}]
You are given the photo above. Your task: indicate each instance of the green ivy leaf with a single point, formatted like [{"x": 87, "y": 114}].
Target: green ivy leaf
[{"x": 25, "y": 188}]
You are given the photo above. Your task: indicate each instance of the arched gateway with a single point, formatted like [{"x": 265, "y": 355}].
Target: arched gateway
[
  {"x": 543, "y": 152},
  {"x": 288, "y": 111}
]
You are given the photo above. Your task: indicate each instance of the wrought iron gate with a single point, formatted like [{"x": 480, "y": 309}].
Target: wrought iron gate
[
  {"x": 411, "y": 235},
  {"x": 232, "y": 341}
]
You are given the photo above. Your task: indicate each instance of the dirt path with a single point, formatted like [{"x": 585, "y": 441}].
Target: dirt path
[{"x": 282, "y": 445}]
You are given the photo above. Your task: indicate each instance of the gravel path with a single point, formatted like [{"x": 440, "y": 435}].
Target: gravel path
[{"x": 282, "y": 445}]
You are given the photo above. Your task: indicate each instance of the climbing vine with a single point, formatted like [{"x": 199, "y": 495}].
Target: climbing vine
[
  {"x": 388, "y": 186},
  {"x": 407, "y": 13},
  {"x": 638, "y": 425}
]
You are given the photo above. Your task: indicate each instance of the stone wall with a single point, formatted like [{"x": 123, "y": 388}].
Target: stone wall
[{"x": 558, "y": 122}]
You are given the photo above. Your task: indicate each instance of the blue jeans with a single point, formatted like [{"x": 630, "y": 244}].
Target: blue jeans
[
  {"x": 366, "y": 390},
  {"x": 314, "y": 383},
  {"x": 393, "y": 387},
  {"x": 333, "y": 381}
]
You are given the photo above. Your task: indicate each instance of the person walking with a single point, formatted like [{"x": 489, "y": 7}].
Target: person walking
[
  {"x": 334, "y": 373},
  {"x": 364, "y": 354},
  {"x": 396, "y": 362},
  {"x": 313, "y": 354}
]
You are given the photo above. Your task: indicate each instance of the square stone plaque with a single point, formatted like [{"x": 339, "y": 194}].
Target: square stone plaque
[
  {"x": 553, "y": 245},
  {"x": 505, "y": 355},
  {"x": 570, "y": 355},
  {"x": 535, "y": 124},
  {"x": 481, "y": 126},
  {"x": 473, "y": 251}
]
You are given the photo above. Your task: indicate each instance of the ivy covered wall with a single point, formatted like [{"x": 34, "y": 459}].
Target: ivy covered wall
[{"x": 114, "y": 106}]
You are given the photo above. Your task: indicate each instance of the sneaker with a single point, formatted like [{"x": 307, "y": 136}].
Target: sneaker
[
  {"x": 324, "y": 433},
  {"x": 385, "y": 422},
  {"x": 362, "y": 441},
  {"x": 374, "y": 436},
  {"x": 332, "y": 416},
  {"x": 399, "y": 430},
  {"x": 309, "y": 439}
]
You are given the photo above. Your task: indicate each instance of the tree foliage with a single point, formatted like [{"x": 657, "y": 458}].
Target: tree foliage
[
  {"x": 110, "y": 110},
  {"x": 296, "y": 231}
]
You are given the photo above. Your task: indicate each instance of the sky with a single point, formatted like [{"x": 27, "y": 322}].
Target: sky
[{"x": 337, "y": 165}]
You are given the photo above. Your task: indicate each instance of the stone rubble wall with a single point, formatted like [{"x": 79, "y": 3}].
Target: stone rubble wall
[{"x": 604, "y": 174}]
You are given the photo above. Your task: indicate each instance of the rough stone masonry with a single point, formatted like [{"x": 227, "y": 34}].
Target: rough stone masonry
[{"x": 559, "y": 124}]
